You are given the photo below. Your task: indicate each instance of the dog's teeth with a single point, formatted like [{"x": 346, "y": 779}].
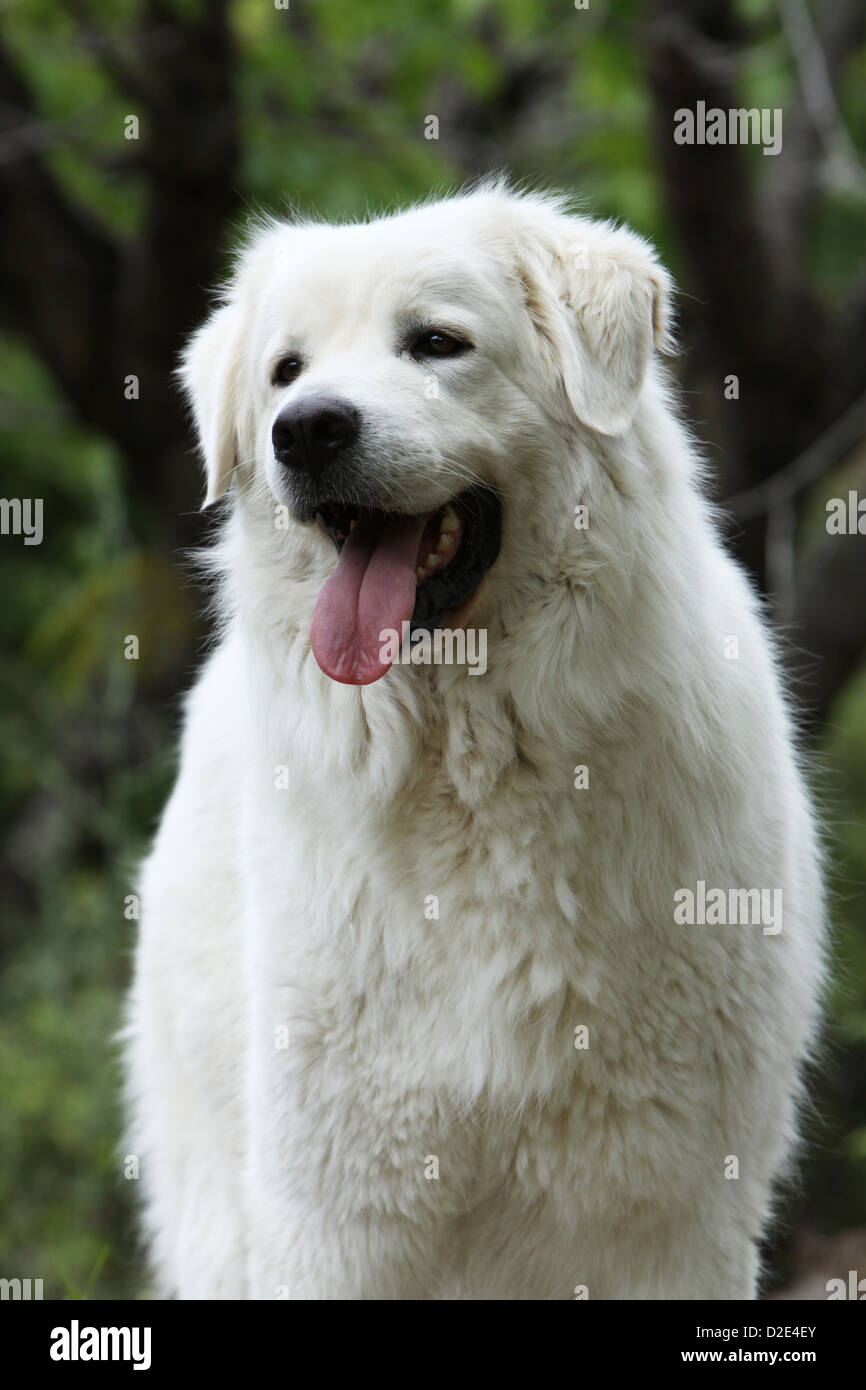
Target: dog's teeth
[
  {"x": 445, "y": 543},
  {"x": 450, "y": 520},
  {"x": 420, "y": 573},
  {"x": 432, "y": 561}
]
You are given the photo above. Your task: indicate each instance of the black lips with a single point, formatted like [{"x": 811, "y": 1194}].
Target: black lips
[{"x": 480, "y": 512}]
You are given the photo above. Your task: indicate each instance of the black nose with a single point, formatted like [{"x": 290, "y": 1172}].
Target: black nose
[{"x": 312, "y": 432}]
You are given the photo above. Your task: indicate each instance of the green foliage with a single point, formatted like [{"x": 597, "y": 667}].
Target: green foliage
[{"x": 333, "y": 99}]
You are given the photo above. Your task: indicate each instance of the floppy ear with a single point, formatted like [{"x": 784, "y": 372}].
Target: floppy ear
[
  {"x": 209, "y": 372},
  {"x": 602, "y": 302}
]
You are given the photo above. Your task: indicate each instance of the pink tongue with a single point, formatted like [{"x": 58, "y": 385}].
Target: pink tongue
[{"x": 372, "y": 590}]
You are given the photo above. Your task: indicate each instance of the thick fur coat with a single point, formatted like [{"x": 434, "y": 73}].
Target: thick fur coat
[{"x": 415, "y": 1012}]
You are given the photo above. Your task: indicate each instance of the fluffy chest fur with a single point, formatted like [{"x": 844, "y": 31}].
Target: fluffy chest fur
[{"x": 476, "y": 961}]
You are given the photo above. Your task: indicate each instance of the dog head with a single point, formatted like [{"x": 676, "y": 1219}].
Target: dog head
[{"x": 407, "y": 389}]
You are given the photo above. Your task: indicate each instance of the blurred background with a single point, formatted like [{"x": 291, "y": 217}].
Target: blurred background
[{"x": 136, "y": 136}]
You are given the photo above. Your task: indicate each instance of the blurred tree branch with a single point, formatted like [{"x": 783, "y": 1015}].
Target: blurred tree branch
[
  {"x": 818, "y": 153},
  {"x": 96, "y": 308},
  {"x": 760, "y": 317},
  {"x": 58, "y": 268},
  {"x": 828, "y": 623}
]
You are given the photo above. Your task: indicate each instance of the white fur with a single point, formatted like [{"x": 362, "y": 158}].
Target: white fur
[{"x": 299, "y": 1171}]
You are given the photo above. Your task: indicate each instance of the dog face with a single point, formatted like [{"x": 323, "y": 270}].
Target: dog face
[{"x": 405, "y": 389}]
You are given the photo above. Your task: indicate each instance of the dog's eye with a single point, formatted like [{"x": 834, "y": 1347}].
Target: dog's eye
[
  {"x": 286, "y": 370},
  {"x": 435, "y": 342}
]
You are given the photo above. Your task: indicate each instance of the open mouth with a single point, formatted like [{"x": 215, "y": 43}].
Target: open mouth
[{"x": 396, "y": 568}]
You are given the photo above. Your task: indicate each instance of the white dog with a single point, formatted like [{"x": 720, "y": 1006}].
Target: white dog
[{"x": 488, "y": 980}]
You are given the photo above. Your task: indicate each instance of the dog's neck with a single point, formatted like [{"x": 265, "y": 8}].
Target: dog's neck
[{"x": 575, "y": 663}]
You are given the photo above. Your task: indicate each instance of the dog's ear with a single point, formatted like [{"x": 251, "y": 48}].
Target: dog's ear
[
  {"x": 601, "y": 303},
  {"x": 209, "y": 373}
]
